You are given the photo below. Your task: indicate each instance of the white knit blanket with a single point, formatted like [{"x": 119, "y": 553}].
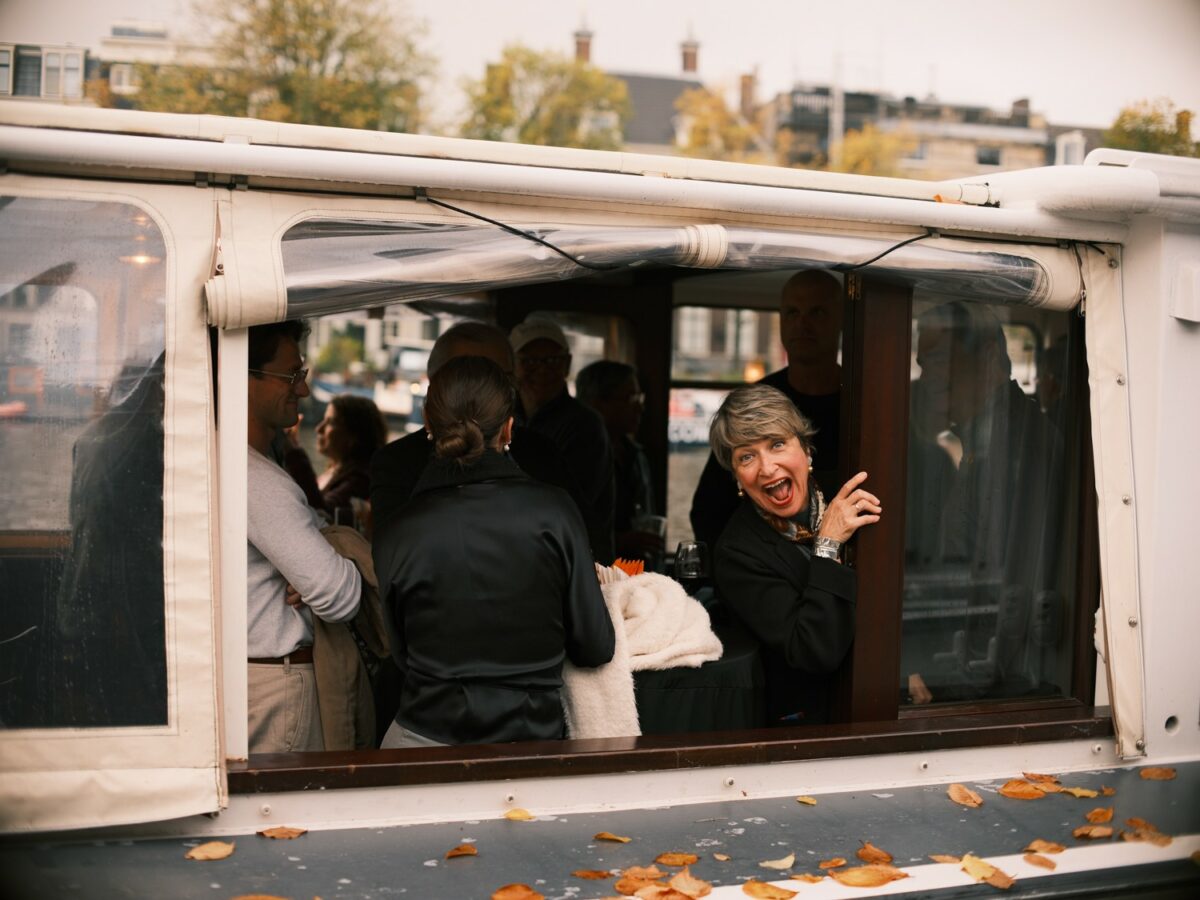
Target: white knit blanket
[{"x": 657, "y": 626}]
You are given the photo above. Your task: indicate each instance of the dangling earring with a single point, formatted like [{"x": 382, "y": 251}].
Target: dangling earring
[
  {"x": 741, "y": 493},
  {"x": 429, "y": 435},
  {"x": 506, "y": 446}
]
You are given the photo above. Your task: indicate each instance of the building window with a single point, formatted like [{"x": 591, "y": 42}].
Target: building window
[
  {"x": 28, "y": 81},
  {"x": 122, "y": 78},
  {"x": 62, "y": 75},
  {"x": 6, "y": 67},
  {"x": 987, "y": 156}
]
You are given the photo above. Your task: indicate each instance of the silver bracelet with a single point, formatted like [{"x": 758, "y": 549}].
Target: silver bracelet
[{"x": 827, "y": 548}]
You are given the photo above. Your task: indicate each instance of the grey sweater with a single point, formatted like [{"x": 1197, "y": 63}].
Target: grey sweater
[{"x": 285, "y": 546}]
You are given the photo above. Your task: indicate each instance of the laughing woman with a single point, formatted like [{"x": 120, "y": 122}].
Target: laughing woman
[{"x": 777, "y": 564}]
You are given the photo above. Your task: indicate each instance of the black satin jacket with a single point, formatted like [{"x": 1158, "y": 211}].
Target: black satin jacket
[{"x": 489, "y": 585}]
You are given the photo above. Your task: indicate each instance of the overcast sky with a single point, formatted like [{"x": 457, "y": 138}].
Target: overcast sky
[{"x": 1078, "y": 61}]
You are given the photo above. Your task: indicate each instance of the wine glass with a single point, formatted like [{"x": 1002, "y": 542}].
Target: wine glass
[{"x": 691, "y": 564}]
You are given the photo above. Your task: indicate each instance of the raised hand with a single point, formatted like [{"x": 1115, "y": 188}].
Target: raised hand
[{"x": 850, "y": 510}]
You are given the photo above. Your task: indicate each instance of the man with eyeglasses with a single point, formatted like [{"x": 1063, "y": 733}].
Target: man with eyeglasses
[
  {"x": 543, "y": 361},
  {"x": 292, "y": 571}
]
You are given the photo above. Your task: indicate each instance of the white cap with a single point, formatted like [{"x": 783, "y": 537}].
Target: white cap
[{"x": 536, "y": 328}]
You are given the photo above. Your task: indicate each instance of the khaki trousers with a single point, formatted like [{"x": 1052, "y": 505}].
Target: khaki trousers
[{"x": 283, "y": 711}]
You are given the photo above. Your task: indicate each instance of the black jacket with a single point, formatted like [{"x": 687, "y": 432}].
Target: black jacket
[
  {"x": 800, "y": 607},
  {"x": 489, "y": 585}
]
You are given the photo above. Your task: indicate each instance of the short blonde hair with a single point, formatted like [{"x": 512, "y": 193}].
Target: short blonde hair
[{"x": 750, "y": 414}]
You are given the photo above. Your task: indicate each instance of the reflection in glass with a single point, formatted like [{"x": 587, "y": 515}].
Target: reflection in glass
[
  {"x": 82, "y": 639},
  {"x": 988, "y": 574}
]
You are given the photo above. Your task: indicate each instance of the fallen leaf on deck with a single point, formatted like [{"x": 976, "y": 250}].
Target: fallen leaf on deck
[
  {"x": 210, "y": 851},
  {"x": 519, "y": 815},
  {"x": 609, "y": 836},
  {"x": 764, "y": 891},
  {"x": 1079, "y": 792},
  {"x": 872, "y": 855},
  {"x": 867, "y": 876},
  {"x": 964, "y": 796},
  {"x": 1039, "y": 846},
  {"x": 721, "y": 857},
  {"x": 1035, "y": 859},
  {"x": 831, "y": 863},
  {"x": 1157, "y": 773},
  {"x": 517, "y": 892},
  {"x": 1106, "y": 791},
  {"x": 689, "y": 885},
  {"x": 784, "y": 862},
  {"x": 676, "y": 859},
  {"x": 808, "y": 879},
  {"x": 660, "y": 892},
  {"x": 807, "y": 801},
  {"x": 981, "y": 870},
  {"x": 945, "y": 858},
  {"x": 1034, "y": 776},
  {"x": 649, "y": 873},
  {"x": 592, "y": 874},
  {"x": 1144, "y": 831},
  {"x": 1093, "y": 832},
  {"x": 628, "y": 885},
  {"x": 462, "y": 850},
  {"x": 282, "y": 833},
  {"x": 1100, "y": 815},
  {"x": 1019, "y": 789}
]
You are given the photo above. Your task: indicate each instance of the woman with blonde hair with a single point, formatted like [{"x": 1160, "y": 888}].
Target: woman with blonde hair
[{"x": 777, "y": 565}]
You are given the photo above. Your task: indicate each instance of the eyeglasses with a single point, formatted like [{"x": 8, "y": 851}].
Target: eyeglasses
[
  {"x": 637, "y": 399},
  {"x": 537, "y": 362},
  {"x": 291, "y": 379}
]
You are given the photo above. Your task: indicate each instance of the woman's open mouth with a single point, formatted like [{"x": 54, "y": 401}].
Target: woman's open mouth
[{"x": 779, "y": 492}]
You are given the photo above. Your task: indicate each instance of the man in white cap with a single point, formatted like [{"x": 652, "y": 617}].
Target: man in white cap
[{"x": 543, "y": 361}]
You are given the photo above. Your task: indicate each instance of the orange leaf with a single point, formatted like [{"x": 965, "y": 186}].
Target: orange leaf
[
  {"x": 964, "y": 796},
  {"x": 210, "y": 851},
  {"x": 1035, "y": 859},
  {"x": 592, "y": 874},
  {"x": 1093, "y": 832},
  {"x": 785, "y": 862},
  {"x": 517, "y": 892},
  {"x": 1034, "y": 776},
  {"x": 676, "y": 859},
  {"x": 1157, "y": 773},
  {"x": 1039, "y": 846},
  {"x": 1100, "y": 815},
  {"x": 867, "y": 876},
  {"x": 1107, "y": 791},
  {"x": 660, "y": 892},
  {"x": 807, "y": 801},
  {"x": 808, "y": 879},
  {"x": 834, "y": 863},
  {"x": 648, "y": 873},
  {"x": 282, "y": 833},
  {"x": 945, "y": 858},
  {"x": 1079, "y": 792},
  {"x": 872, "y": 855},
  {"x": 1151, "y": 835},
  {"x": 1135, "y": 822},
  {"x": 629, "y": 885},
  {"x": 999, "y": 879},
  {"x": 764, "y": 891},
  {"x": 1017, "y": 789},
  {"x": 721, "y": 857},
  {"x": 609, "y": 836},
  {"x": 689, "y": 885},
  {"x": 519, "y": 815},
  {"x": 462, "y": 850}
]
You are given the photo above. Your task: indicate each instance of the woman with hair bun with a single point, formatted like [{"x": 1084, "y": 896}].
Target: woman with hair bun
[{"x": 487, "y": 577}]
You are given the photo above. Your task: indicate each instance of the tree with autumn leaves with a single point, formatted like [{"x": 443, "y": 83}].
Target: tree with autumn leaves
[
  {"x": 347, "y": 63},
  {"x": 532, "y": 97},
  {"x": 1153, "y": 126}
]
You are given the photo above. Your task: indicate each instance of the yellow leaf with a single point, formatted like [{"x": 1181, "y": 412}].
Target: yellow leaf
[
  {"x": 721, "y": 857},
  {"x": 784, "y": 862},
  {"x": 945, "y": 858},
  {"x": 660, "y": 892},
  {"x": 519, "y": 815},
  {"x": 629, "y": 885},
  {"x": 210, "y": 851},
  {"x": 647, "y": 872},
  {"x": 1035, "y": 859},
  {"x": 763, "y": 891},
  {"x": 688, "y": 884},
  {"x": 1100, "y": 815},
  {"x": 462, "y": 850},
  {"x": 1093, "y": 832},
  {"x": 1018, "y": 789},
  {"x": 831, "y": 863},
  {"x": 517, "y": 892},
  {"x": 676, "y": 859},
  {"x": 976, "y": 867},
  {"x": 282, "y": 833},
  {"x": 1079, "y": 792},
  {"x": 1039, "y": 846},
  {"x": 872, "y": 855},
  {"x": 867, "y": 876},
  {"x": 964, "y": 796},
  {"x": 807, "y": 801},
  {"x": 609, "y": 836},
  {"x": 1157, "y": 773}
]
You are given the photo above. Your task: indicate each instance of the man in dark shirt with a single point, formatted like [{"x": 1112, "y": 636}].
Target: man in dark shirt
[
  {"x": 543, "y": 361},
  {"x": 810, "y": 329},
  {"x": 396, "y": 468}
]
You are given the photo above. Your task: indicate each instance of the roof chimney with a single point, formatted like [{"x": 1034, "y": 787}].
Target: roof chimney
[
  {"x": 583, "y": 45},
  {"x": 747, "y": 102},
  {"x": 691, "y": 49}
]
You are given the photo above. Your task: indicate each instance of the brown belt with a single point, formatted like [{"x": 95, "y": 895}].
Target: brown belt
[{"x": 299, "y": 655}]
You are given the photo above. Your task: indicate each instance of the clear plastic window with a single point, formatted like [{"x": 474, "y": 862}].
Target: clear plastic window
[{"x": 82, "y": 640}]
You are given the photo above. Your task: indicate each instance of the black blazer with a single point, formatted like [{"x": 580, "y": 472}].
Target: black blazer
[
  {"x": 800, "y": 607},
  {"x": 489, "y": 585}
]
